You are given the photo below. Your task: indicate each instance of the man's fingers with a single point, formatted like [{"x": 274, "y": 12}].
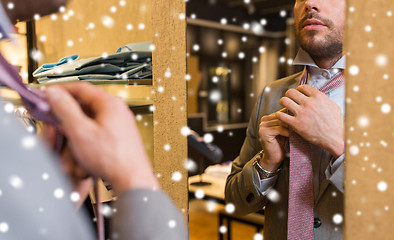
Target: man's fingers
[
  {"x": 285, "y": 118},
  {"x": 273, "y": 123},
  {"x": 270, "y": 133},
  {"x": 295, "y": 95},
  {"x": 290, "y": 105},
  {"x": 307, "y": 90},
  {"x": 66, "y": 109},
  {"x": 267, "y": 118}
]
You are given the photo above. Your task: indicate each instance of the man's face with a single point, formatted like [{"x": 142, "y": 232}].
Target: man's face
[{"x": 319, "y": 26}]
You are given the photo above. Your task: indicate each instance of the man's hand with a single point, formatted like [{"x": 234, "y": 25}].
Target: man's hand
[
  {"x": 102, "y": 135},
  {"x": 315, "y": 117},
  {"x": 271, "y": 128}
]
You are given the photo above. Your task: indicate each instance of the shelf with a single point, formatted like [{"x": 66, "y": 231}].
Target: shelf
[
  {"x": 134, "y": 95},
  {"x": 100, "y": 82}
]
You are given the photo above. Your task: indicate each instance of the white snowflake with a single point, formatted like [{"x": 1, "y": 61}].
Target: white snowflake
[
  {"x": 113, "y": 9},
  {"x": 129, "y": 26},
  {"x": 185, "y": 131},
  {"x": 106, "y": 210},
  {"x": 354, "y": 70},
  {"x": 107, "y": 21},
  {"x": 215, "y": 79},
  {"x": 70, "y": 43},
  {"x": 172, "y": 223},
  {"x": 208, "y": 138},
  {"x": 273, "y": 195},
  {"x": 337, "y": 218},
  {"x": 258, "y": 236},
  {"x": 230, "y": 208},
  {"x": 75, "y": 197},
  {"x": 16, "y": 182},
  {"x": 222, "y": 229},
  {"x": 385, "y": 108},
  {"x": 354, "y": 150},
  {"x": 4, "y": 227},
  {"x": 215, "y": 96},
  {"x": 176, "y": 176},
  {"x": 363, "y": 121},
  {"x": 37, "y": 55},
  {"x": 381, "y": 60},
  {"x": 167, "y": 147},
  {"x": 382, "y": 186},
  {"x": 45, "y": 176},
  {"x": 199, "y": 194},
  {"x": 283, "y": 13},
  {"x": 211, "y": 206},
  {"x": 196, "y": 47},
  {"x": 58, "y": 193},
  {"x": 190, "y": 165}
]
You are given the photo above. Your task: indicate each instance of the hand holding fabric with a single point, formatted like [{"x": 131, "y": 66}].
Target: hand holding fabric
[
  {"x": 102, "y": 135},
  {"x": 315, "y": 117},
  {"x": 270, "y": 131}
]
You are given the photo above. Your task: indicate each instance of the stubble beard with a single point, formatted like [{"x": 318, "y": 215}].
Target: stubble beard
[{"x": 327, "y": 47}]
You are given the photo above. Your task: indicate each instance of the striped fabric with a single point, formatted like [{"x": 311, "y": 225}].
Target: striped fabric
[{"x": 300, "y": 212}]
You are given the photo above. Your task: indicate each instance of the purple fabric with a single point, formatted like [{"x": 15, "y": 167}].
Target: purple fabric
[{"x": 33, "y": 99}]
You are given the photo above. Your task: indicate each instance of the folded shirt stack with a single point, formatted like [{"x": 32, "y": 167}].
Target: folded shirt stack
[{"x": 133, "y": 61}]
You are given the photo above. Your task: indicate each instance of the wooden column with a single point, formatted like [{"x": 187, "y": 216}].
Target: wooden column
[
  {"x": 369, "y": 184},
  {"x": 169, "y": 86}
]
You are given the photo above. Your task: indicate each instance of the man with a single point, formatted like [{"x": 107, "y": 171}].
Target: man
[
  {"x": 36, "y": 200},
  {"x": 260, "y": 178}
]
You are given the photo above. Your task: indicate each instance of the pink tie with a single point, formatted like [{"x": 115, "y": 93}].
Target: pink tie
[{"x": 300, "y": 212}]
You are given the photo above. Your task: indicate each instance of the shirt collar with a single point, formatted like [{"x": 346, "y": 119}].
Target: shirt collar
[{"x": 303, "y": 58}]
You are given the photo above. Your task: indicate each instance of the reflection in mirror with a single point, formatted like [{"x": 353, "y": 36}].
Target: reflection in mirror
[{"x": 235, "y": 50}]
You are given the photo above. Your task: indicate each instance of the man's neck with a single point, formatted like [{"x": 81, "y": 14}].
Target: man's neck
[{"x": 326, "y": 63}]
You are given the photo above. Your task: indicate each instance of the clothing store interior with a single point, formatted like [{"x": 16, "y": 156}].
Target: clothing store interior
[{"x": 192, "y": 119}]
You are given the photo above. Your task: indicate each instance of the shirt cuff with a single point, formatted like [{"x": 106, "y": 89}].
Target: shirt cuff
[
  {"x": 263, "y": 184},
  {"x": 334, "y": 165}
]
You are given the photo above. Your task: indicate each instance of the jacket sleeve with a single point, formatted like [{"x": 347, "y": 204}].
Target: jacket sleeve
[
  {"x": 242, "y": 186},
  {"x": 143, "y": 214}
]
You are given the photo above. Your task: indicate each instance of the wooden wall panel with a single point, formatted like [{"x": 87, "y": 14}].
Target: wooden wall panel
[
  {"x": 369, "y": 196},
  {"x": 169, "y": 117}
]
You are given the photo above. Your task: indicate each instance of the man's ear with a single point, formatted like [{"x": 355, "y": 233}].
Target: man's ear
[{"x": 23, "y": 10}]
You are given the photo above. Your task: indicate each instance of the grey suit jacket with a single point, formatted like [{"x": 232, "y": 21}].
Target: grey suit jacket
[
  {"x": 35, "y": 197},
  {"x": 242, "y": 192}
]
